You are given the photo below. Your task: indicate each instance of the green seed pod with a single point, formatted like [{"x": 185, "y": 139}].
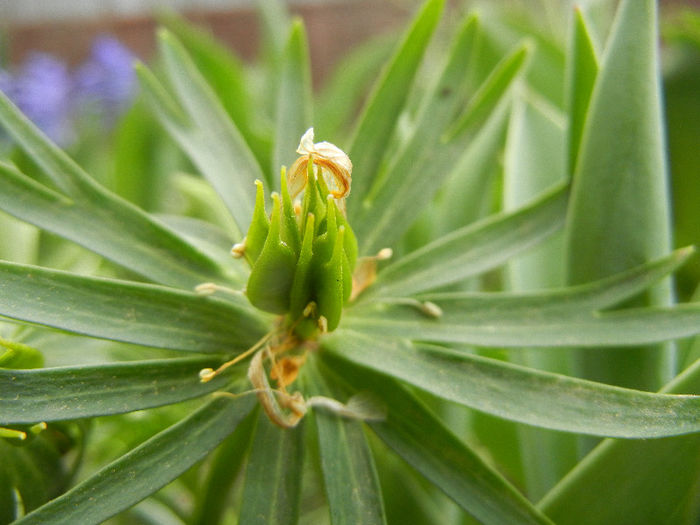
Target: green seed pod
[
  {"x": 347, "y": 275},
  {"x": 350, "y": 243},
  {"x": 329, "y": 285},
  {"x": 324, "y": 243},
  {"x": 301, "y": 293},
  {"x": 259, "y": 227},
  {"x": 312, "y": 202},
  {"x": 270, "y": 281},
  {"x": 290, "y": 228}
]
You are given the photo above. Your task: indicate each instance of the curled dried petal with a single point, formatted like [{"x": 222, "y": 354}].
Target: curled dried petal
[{"x": 336, "y": 167}]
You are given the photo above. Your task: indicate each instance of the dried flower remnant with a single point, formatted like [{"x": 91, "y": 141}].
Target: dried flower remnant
[{"x": 334, "y": 164}]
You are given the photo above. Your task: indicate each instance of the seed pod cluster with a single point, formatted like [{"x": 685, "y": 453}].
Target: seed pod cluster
[{"x": 302, "y": 261}]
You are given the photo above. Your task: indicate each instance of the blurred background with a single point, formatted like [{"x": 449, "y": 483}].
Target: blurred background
[
  {"x": 68, "y": 65},
  {"x": 68, "y": 28}
]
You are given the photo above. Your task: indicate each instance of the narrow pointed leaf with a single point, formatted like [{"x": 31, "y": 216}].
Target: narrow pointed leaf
[
  {"x": 634, "y": 481},
  {"x": 211, "y": 240},
  {"x": 348, "y": 83},
  {"x": 397, "y": 197},
  {"x": 492, "y": 89},
  {"x": 572, "y": 301},
  {"x": 619, "y": 215},
  {"x": 386, "y": 103},
  {"x": 145, "y": 469},
  {"x": 123, "y": 311},
  {"x": 272, "y": 482},
  {"x": 534, "y": 160},
  {"x": 522, "y": 394},
  {"x": 582, "y": 69},
  {"x": 466, "y": 195},
  {"x": 91, "y": 216},
  {"x": 57, "y": 394},
  {"x": 349, "y": 474},
  {"x": 56, "y": 164},
  {"x": 226, "y": 75},
  {"x": 544, "y": 327},
  {"x": 472, "y": 249},
  {"x": 274, "y": 20},
  {"x": 294, "y": 113},
  {"x": 211, "y": 140},
  {"x": 212, "y": 500},
  {"x": 416, "y": 435}
]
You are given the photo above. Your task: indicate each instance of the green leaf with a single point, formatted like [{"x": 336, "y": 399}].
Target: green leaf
[
  {"x": 534, "y": 160},
  {"x": 130, "y": 312},
  {"x": 90, "y": 215},
  {"x": 56, "y": 394},
  {"x": 272, "y": 482},
  {"x": 624, "y": 481},
  {"x": 349, "y": 474},
  {"x": 416, "y": 435},
  {"x": 226, "y": 75},
  {"x": 7, "y": 498},
  {"x": 582, "y": 69},
  {"x": 397, "y": 196},
  {"x": 386, "y": 102},
  {"x": 212, "y": 499},
  {"x": 472, "y": 249},
  {"x": 460, "y": 323},
  {"x": 274, "y": 22},
  {"x": 145, "y": 469},
  {"x": 492, "y": 89},
  {"x": 60, "y": 168},
  {"x": 203, "y": 129},
  {"x": 294, "y": 111},
  {"x": 347, "y": 85},
  {"x": 467, "y": 195},
  {"x": 138, "y": 150},
  {"x": 211, "y": 240},
  {"x": 18, "y": 355},
  {"x": 619, "y": 216},
  {"x": 35, "y": 467},
  {"x": 521, "y": 394},
  {"x": 566, "y": 302}
]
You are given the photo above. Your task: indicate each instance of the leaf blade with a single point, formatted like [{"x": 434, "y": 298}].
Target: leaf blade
[
  {"x": 146, "y": 468},
  {"x": 522, "y": 394},
  {"x": 60, "y": 394},
  {"x": 272, "y": 489},
  {"x": 630, "y": 327},
  {"x": 416, "y": 435},
  {"x": 124, "y": 311},
  {"x": 212, "y": 140},
  {"x": 472, "y": 249},
  {"x": 662, "y": 475},
  {"x": 619, "y": 200},
  {"x": 386, "y": 102},
  {"x": 350, "y": 477},
  {"x": 90, "y": 215},
  {"x": 385, "y": 213},
  {"x": 294, "y": 111}
]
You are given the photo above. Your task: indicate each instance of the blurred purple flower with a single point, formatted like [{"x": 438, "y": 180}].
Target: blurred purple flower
[
  {"x": 53, "y": 98},
  {"x": 105, "y": 83},
  {"x": 41, "y": 88}
]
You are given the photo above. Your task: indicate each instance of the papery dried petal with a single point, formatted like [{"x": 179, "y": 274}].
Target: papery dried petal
[{"x": 336, "y": 167}]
